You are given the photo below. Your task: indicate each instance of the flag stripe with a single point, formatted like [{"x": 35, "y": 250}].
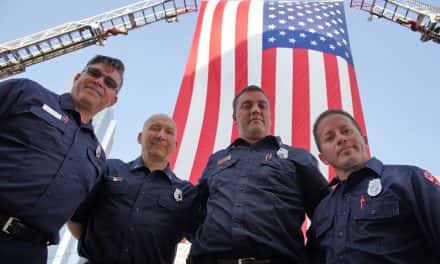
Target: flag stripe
[
  {"x": 333, "y": 93},
  {"x": 227, "y": 83},
  {"x": 255, "y": 45},
  {"x": 332, "y": 81},
  {"x": 241, "y": 51},
  {"x": 181, "y": 108},
  {"x": 191, "y": 135},
  {"x": 356, "y": 99},
  {"x": 301, "y": 104},
  {"x": 345, "y": 86},
  {"x": 318, "y": 94},
  {"x": 205, "y": 146},
  {"x": 283, "y": 95},
  {"x": 268, "y": 80},
  {"x": 241, "y": 46}
]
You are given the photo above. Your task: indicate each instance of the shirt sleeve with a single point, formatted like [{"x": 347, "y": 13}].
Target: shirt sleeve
[
  {"x": 193, "y": 215},
  {"x": 203, "y": 185},
  {"x": 424, "y": 196},
  {"x": 314, "y": 187},
  {"x": 315, "y": 253},
  {"x": 84, "y": 210},
  {"x": 10, "y": 91},
  {"x": 313, "y": 184}
]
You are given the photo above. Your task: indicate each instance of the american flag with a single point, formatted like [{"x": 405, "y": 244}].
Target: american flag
[{"x": 297, "y": 51}]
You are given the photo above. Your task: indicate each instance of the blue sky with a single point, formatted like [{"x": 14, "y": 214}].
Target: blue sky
[{"x": 397, "y": 74}]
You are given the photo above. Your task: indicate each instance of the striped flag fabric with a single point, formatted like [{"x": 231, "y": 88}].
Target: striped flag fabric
[{"x": 297, "y": 51}]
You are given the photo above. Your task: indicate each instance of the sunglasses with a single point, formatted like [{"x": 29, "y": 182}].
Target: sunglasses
[{"x": 108, "y": 81}]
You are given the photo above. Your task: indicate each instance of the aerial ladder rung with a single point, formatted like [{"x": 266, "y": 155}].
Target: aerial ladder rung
[
  {"x": 16, "y": 55},
  {"x": 413, "y": 14}
]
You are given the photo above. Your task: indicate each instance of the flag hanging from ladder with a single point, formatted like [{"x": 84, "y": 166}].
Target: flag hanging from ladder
[{"x": 297, "y": 51}]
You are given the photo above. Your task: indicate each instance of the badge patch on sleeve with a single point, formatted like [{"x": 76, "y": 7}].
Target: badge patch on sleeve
[{"x": 435, "y": 180}]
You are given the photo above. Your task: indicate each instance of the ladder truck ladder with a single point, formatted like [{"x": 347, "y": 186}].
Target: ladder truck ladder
[
  {"x": 16, "y": 55},
  {"x": 413, "y": 14}
]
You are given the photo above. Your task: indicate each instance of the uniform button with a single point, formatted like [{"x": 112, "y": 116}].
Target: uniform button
[
  {"x": 131, "y": 229},
  {"x": 340, "y": 234},
  {"x": 137, "y": 209},
  {"x": 125, "y": 249},
  {"x": 373, "y": 211},
  {"x": 241, "y": 189}
]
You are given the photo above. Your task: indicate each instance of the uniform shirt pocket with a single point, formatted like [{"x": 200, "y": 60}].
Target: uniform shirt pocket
[
  {"x": 378, "y": 225},
  {"x": 380, "y": 208},
  {"x": 37, "y": 128},
  {"x": 223, "y": 166},
  {"x": 115, "y": 184},
  {"x": 48, "y": 118},
  {"x": 216, "y": 181},
  {"x": 165, "y": 202},
  {"x": 274, "y": 175}
]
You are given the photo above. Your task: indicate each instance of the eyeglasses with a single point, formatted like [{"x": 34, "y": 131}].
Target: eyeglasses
[{"x": 108, "y": 81}]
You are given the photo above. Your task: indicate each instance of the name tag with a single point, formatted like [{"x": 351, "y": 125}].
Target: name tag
[{"x": 52, "y": 112}]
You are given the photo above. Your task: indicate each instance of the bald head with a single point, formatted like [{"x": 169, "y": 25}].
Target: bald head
[
  {"x": 163, "y": 117},
  {"x": 158, "y": 140}
]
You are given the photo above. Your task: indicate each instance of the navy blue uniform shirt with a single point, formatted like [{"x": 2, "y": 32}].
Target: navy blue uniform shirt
[
  {"x": 257, "y": 196},
  {"x": 380, "y": 214},
  {"x": 135, "y": 216},
  {"x": 49, "y": 160}
]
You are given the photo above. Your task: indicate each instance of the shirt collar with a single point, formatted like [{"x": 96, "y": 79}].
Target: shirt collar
[
  {"x": 268, "y": 141},
  {"x": 66, "y": 103},
  {"x": 139, "y": 164},
  {"x": 372, "y": 165},
  {"x": 375, "y": 165}
]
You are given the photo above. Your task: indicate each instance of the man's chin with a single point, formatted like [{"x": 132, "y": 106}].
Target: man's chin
[
  {"x": 258, "y": 135},
  {"x": 256, "y": 128},
  {"x": 350, "y": 162},
  {"x": 157, "y": 154}
]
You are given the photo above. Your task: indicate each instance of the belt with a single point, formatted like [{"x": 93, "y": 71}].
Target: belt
[
  {"x": 206, "y": 259},
  {"x": 15, "y": 228}
]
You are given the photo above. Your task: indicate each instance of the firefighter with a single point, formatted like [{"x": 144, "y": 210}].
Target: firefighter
[
  {"x": 255, "y": 193},
  {"x": 50, "y": 156},
  {"x": 141, "y": 210},
  {"x": 376, "y": 213}
]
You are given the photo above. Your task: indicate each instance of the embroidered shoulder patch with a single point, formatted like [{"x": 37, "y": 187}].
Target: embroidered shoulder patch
[{"x": 435, "y": 180}]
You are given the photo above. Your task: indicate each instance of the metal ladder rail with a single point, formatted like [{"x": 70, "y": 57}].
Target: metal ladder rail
[
  {"x": 16, "y": 55},
  {"x": 423, "y": 20}
]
